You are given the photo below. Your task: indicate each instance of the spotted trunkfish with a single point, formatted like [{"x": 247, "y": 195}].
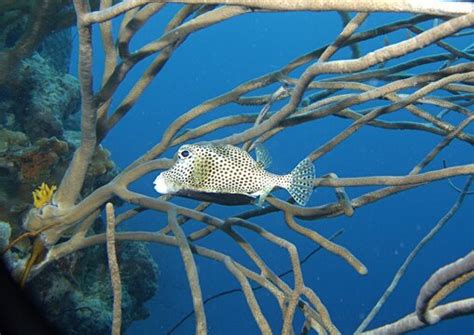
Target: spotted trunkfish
[{"x": 229, "y": 175}]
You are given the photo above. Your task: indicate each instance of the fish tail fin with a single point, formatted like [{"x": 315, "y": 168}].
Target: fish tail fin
[{"x": 301, "y": 186}]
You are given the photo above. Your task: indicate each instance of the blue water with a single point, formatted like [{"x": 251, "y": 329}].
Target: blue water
[{"x": 382, "y": 234}]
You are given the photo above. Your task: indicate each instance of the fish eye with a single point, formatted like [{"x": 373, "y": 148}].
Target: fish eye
[{"x": 184, "y": 154}]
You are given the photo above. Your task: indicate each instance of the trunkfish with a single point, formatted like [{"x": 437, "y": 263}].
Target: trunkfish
[{"x": 229, "y": 175}]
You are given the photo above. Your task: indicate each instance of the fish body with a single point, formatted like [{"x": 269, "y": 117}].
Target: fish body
[{"x": 215, "y": 169}]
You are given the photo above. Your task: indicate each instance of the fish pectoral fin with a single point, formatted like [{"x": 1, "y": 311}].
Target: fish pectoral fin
[
  {"x": 262, "y": 196},
  {"x": 263, "y": 156}
]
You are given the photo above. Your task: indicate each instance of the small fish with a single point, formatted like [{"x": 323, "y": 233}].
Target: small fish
[{"x": 213, "y": 171}]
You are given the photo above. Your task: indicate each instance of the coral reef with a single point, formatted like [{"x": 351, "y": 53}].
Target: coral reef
[
  {"x": 10, "y": 259},
  {"x": 34, "y": 156},
  {"x": 43, "y": 98},
  {"x": 39, "y": 132},
  {"x": 26, "y": 166},
  {"x": 76, "y": 291},
  {"x": 11, "y": 139},
  {"x": 36, "y": 162},
  {"x": 39, "y": 128},
  {"x": 34, "y": 110},
  {"x": 5, "y": 232},
  {"x": 25, "y": 27}
]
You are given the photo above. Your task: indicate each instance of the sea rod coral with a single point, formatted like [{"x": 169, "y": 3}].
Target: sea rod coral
[{"x": 310, "y": 88}]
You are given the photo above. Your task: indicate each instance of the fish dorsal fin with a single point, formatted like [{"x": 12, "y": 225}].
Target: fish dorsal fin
[
  {"x": 263, "y": 156},
  {"x": 200, "y": 172}
]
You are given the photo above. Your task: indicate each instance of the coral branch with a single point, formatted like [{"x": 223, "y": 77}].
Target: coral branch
[
  {"x": 191, "y": 272},
  {"x": 114, "y": 270},
  {"x": 400, "y": 273},
  {"x": 437, "y": 281},
  {"x": 412, "y": 6},
  {"x": 362, "y": 63},
  {"x": 411, "y": 322},
  {"x": 73, "y": 180}
]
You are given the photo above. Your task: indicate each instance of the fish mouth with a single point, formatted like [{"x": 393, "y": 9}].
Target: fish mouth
[{"x": 163, "y": 186}]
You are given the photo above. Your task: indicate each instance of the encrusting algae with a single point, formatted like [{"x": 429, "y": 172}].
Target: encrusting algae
[{"x": 43, "y": 195}]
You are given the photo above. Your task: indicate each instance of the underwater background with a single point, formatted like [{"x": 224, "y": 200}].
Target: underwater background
[
  {"x": 382, "y": 234},
  {"x": 214, "y": 61}
]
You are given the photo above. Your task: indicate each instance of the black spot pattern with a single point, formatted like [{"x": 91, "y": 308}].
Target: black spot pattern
[
  {"x": 227, "y": 169},
  {"x": 221, "y": 169},
  {"x": 301, "y": 185}
]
